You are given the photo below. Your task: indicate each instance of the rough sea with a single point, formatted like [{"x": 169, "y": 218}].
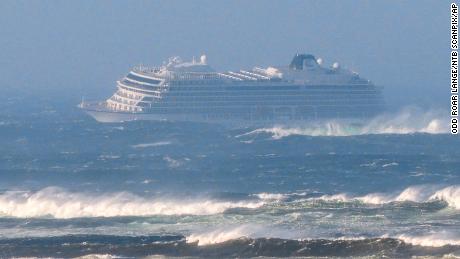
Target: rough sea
[{"x": 73, "y": 187}]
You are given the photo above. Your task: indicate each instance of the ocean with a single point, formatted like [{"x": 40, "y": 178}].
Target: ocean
[{"x": 72, "y": 187}]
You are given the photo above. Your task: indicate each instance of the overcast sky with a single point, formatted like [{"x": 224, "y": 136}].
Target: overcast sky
[{"x": 82, "y": 47}]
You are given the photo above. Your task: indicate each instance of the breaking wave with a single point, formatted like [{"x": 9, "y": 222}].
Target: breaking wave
[
  {"x": 220, "y": 235},
  {"x": 407, "y": 121},
  {"x": 59, "y": 203},
  {"x": 271, "y": 196},
  {"x": 432, "y": 240},
  {"x": 422, "y": 193},
  {"x": 140, "y": 246}
]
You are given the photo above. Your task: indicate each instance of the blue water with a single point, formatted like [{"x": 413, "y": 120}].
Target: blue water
[{"x": 70, "y": 186}]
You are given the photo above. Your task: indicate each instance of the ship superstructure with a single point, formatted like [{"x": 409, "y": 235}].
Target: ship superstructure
[{"x": 192, "y": 91}]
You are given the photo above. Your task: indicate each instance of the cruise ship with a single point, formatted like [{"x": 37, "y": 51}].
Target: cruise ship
[{"x": 303, "y": 91}]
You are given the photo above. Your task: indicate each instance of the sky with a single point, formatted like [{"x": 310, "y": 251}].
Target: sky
[{"x": 79, "y": 48}]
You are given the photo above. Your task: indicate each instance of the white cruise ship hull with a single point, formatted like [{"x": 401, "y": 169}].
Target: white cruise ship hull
[
  {"x": 107, "y": 116},
  {"x": 194, "y": 92}
]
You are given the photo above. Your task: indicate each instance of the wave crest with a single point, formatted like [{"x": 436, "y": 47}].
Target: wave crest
[
  {"x": 59, "y": 203},
  {"x": 450, "y": 194},
  {"x": 422, "y": 193},
  {"x": 152, "y": 247},
  {"x": 219, "y": 235},
  {"x": 407, "y": 121},
  {"x": 433, "y": 240},
  {"x": 271, "y": 196}
]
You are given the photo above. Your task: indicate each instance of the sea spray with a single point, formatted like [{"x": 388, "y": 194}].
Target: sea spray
[
  {"x": 221, "y": 235},
  {"x": 59, "y": 203},
  {"x": 246, "y": 231},
  {"x": 422, "y": 193},
  {"x": 407, "y": 121},
  {"x": 439, "y": 239}
]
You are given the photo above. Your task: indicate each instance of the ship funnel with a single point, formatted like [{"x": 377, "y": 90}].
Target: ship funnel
[{"x": 203, "y": 59}]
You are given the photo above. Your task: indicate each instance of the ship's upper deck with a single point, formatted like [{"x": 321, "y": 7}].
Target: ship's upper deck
[{"x": 304, "y": 69}]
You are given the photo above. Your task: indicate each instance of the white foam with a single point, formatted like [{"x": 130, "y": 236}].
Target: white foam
[
  {"x": 325, "y": 129},
  {"x": 433, "y": 240},
  {"x": 421, "y": 193},
  {"x": 413, "y": 193},
  {"x": 230, "y": 232},
  {"x": 154, "y": 144},
  {"x": 172, "y": 163},
  {"x": 374, "y": 198},
  {"x": 104, "y": 157},
  {"x": 223, "y": 234},
  {"x": 271, "y": 196},
  {"x": 59, "y": 203},
  {"x": 220, "y": 235},
  {"x": 343, "y": 197},
  {"x": 407, "y": 121},
  {"x": 390, "y": 164},
  {"x": 450, "y": 194}
]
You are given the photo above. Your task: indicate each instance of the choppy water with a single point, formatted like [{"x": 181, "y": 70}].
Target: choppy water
[{"x": 71, "y": 187}]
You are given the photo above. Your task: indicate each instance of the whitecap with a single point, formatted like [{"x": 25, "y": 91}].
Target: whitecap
[
  {"x": 450, "y": 194},
  {"x": 390, "y": 164},
  {"x": 104, "y": 157},
  {"x": 220, "y": 235},
  {"x": 409, "y": 120},
  {"x": 172, "y": 163},
  {"x": 271, "y": 196},
  {"x": 433, "y": 240},
  {"x": 226, "y": 233},
  {"x": 154, "y": 144},
  {"x": 420, "y": 193},
  {"x": 59, "y": 203}
]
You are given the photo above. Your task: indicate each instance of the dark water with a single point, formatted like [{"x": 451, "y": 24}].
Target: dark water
[{"x": 70, "y": 187}]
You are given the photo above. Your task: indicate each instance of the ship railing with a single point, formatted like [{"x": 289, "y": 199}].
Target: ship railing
[
  {"x": 195, "y": 75},
  {"x": 148, "y": 70},
  {"x": 242, "y": 75},
  {"x": 259, "y": 76},
  {"x": 172, "y": 75},
  {"x": 93, "y": 105},
  {"x": 192, "y": 75}
]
